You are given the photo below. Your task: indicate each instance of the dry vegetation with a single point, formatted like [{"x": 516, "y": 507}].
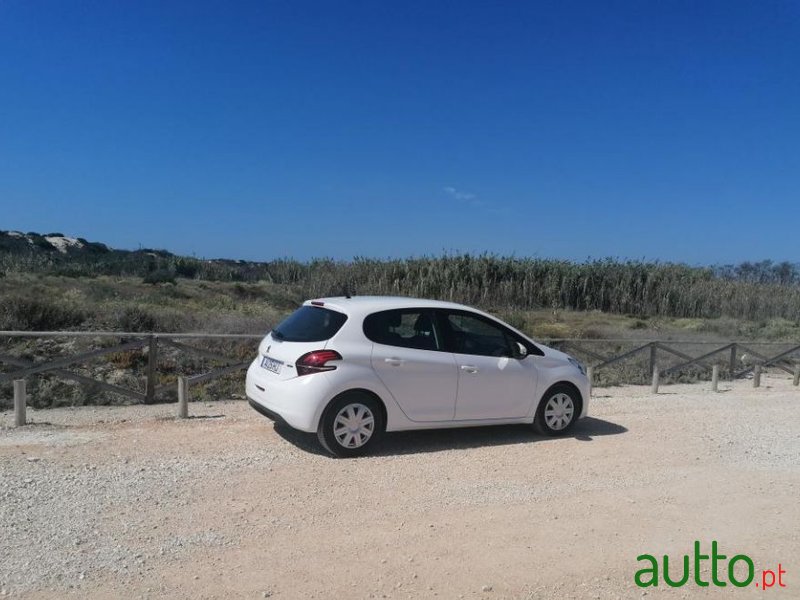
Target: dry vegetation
[{"x": 154, "y": 291}]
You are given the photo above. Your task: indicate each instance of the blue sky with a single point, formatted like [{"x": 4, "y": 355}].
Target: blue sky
[{"x": 663, "y": 130}]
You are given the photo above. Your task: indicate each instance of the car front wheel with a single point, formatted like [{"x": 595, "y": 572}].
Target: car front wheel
[
  {"x": 351, "y": 425},
  {"x": 558, "y": 411}
]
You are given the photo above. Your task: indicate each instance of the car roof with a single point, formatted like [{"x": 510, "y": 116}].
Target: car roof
[
  {"x": 369, "y": 304},
  {"x": 359, "y": 307}
]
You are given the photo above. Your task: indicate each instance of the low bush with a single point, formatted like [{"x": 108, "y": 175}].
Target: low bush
[
  {"x": 38, "y": 314},
  {"x": 146, "y": 320},
  {"x": 135, "y": 319},
  {"x": 185, "y": 268},
  {"x": 159, "y": 276}
]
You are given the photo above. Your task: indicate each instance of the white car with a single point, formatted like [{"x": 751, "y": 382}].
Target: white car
[{"x": 350, "y": 369}]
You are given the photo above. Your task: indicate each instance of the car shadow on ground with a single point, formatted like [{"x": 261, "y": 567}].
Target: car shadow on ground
[{"x": 438, "y": 440}]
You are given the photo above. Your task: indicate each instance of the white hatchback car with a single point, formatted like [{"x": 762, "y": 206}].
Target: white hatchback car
[{"x": 350, "y": 369}]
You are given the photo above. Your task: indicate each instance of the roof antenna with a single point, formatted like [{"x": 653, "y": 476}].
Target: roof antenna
[{"x": 346, "y": 291}]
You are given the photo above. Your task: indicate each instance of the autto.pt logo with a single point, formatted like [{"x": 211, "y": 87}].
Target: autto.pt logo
[{"x": 705, "y": 570}]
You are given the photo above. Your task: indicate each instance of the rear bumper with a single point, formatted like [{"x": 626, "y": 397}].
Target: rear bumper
[
  {"x": 297, "y": 402},
  {"x": 272, "y": 416}
]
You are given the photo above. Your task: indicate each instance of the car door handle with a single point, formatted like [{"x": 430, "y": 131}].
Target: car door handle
[
  {"x": 469, "y": 368},
  {"x": 396, "y": 362}
]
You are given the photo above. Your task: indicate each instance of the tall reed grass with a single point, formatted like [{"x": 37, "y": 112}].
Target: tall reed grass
[{"x": 750, "y": 291}]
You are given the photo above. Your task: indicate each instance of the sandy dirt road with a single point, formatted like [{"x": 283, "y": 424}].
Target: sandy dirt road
[{"x": 128, "y": 502}]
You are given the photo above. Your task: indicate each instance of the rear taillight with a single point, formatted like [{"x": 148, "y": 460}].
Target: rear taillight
[{"x": 316, "y": 362}]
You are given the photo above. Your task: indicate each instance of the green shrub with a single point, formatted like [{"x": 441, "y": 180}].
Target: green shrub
[
  {"x": 136, "y": 319},
  {"x": 160, "y": 276},
  {"x": 42, "y": 243},
  {"x": 142, "y": 320},
  {"x": 38, "y": 314},
  {"x": 184, "y": 268}
]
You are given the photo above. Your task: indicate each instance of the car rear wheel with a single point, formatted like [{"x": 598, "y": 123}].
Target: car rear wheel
[
  {"x": 558, "y": 411},
  {"x": 351, "y": 425}
]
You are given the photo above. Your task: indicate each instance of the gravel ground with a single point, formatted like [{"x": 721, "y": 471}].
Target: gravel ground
[{"x": 110, "y": 502}]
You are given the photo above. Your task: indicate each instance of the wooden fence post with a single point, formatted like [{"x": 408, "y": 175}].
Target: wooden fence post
[
  {"x": 715, "y": 378},
  {"x": 653, "y": 348},
  {"x": 796, "y": 380},
  {"x": 655, "y": 380},
  {"x": 19, "y": 403},
  {"x": 152, "y": 369},
  {"x": 183, "y": 397},
  {"x": 757, "y": 376},
  {"x": 590, "y": 377},
  {"x": 733, "y": 361}
]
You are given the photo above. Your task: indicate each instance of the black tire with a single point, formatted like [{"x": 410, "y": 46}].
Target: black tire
[
  {"x": 326, "y": 432},
  {"x": 553, "y": 424}
]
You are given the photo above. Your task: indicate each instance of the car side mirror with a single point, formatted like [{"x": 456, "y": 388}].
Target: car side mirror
[{"x": 522, "y": 350}]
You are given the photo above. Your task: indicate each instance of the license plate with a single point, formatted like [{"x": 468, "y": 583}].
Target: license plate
[{"x": 270, "y": 364}]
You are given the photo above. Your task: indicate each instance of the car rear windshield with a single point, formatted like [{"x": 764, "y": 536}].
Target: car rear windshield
[{"x": 309, "y": 324}]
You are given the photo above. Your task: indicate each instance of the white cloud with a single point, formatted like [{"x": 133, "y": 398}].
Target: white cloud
[{"x": 459, "y": 195}]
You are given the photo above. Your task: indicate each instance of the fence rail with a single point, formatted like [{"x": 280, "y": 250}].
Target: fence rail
[
  {"x": 595, "y": 352},
  {"x": 738, "y": 365},
  {"x": 149, "y": 343}
]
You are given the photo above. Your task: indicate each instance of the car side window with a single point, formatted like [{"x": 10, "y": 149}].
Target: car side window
[
  {"x": 406, "y": 328},
  {"x": 471, "y": 334}
]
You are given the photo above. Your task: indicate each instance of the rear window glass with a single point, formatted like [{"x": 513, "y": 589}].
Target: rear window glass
[{"x": 309, "y": 324}]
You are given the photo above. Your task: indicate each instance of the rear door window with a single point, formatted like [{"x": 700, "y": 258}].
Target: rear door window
[
  {"x": 406, "y": 328},
  {"x": 309, "y": 324}
]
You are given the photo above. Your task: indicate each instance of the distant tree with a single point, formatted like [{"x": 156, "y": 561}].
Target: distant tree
[{"x": 785, "y": 273}]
